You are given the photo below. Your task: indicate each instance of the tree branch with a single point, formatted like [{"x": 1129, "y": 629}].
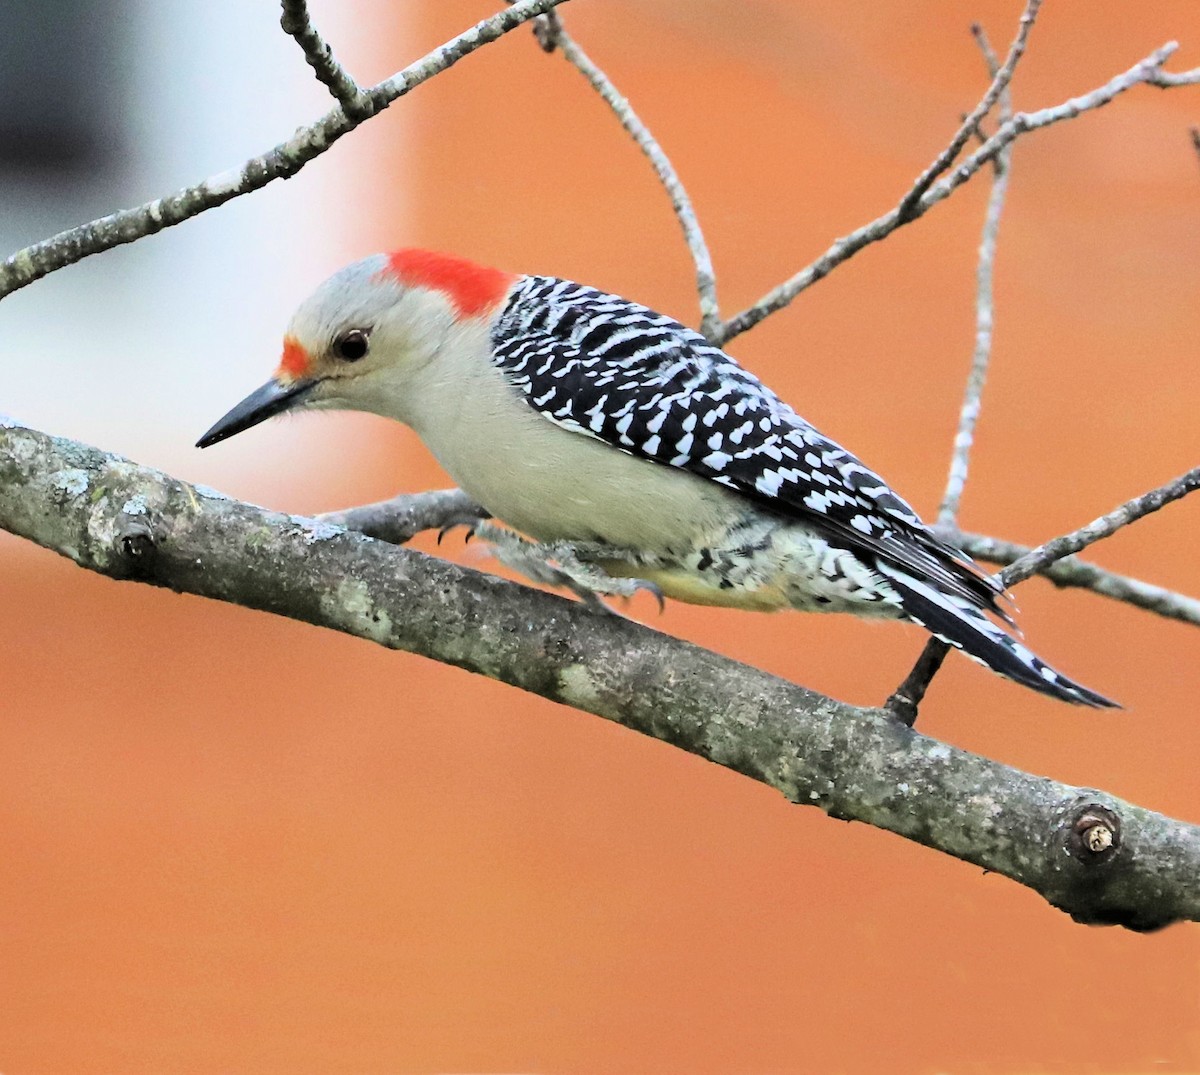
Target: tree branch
[
  {"x": 845, "y": 248},
  {"x": 553, "y": 36},
  {"x": 282, "y": 162},
  {"x": 296, "y": 21},
  {"x": 1088, "y": 853},
  {"x": 1165, "y": 80}
]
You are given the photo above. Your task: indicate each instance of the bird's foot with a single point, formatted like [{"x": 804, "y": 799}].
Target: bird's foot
[
  {"x": 471, "y": 520},
  {"x": 570, "y": 565}
]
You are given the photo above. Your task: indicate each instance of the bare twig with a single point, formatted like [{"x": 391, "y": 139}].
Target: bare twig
[
  {"x": 1105, "y": 526},
  {"x": 984, "y": 310},
  {"x": 1001, "y": 77},
  {"x": 1166, "y": 79},
  {"x": 402, "y": 518},
  {"x": 1096, "y": 857},
  {"x": 906, "y": 699},
  {"x": 552, "y": 35},
  {"x": 845, "y": 248},
  {"x": 1195, "y": 132},
  {"x": 282, "y": 162},
  {"x": 296, "y": 21},
  {"x": 1073, "y": 572}
]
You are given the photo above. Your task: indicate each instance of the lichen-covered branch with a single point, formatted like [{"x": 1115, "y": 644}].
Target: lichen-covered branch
[
  {"x": 553, "y": 36},
  {"x": 282, "y": 162},
  {"x": 1094, "y": 856},
  {"x": 1148, "y": 70}
]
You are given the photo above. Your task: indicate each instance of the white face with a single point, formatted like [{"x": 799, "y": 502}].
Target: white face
[
  {"x": 362, "y": 336},
  {"x": 366, "y": 340}
]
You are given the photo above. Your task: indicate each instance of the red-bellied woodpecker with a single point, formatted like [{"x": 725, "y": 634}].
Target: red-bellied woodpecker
[{"x": 632, "y": 448}]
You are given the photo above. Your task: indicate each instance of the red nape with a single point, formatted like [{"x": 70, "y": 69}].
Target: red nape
[
  {"x": 472, "y": 288},
  {"x": 295, "y": 362}
]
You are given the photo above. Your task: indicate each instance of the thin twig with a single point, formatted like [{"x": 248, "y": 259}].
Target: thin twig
[
  {"x": 1195, "y": 132},
  {"x": 906, "y": 700},
  {"x": 845, "y": 248},
  {"x": 984, "y": 310},
  {"x": 553, "y": 35},
  {"x": 1129, "y": 512},
  {"x": 282, "y": 162},
  {"x": 1070, "y": 571},
  {"x": 404, "y": 517},
  {"x": 296, "y": 21},
  {"x": 1165, "y": 80},
  {"x": 1001, "y": 77}
]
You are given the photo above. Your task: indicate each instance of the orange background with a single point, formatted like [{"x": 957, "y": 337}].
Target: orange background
[{"x": 236, "y": 843}]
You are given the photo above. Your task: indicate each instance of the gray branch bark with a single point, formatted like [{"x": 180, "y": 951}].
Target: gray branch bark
[
  {"x": 297, "y": 22},
  {"x": 998, "y": 90},
  {"x": 1070, "y": 571},
  {"x": 1088, "y": 853},
  {"x": 907, "y": 697}
]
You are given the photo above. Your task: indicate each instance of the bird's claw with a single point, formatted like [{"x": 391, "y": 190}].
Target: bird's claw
[
  {"x": 471, "y": 522},
  {"x": 569, "y": 565},
  {"x": 653, "y": 589}
]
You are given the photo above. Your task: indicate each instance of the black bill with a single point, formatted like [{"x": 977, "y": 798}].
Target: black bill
[{"x": 273, "y": 398}]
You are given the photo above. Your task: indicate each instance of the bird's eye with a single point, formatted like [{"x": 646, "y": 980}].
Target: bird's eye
[{"x": 351, "y": 346}]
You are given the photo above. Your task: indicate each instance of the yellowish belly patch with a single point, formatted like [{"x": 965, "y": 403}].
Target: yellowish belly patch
[{"x": 681, "y": 585}]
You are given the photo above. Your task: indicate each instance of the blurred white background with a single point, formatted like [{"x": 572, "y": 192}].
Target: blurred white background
[{"x": 163, "y": 335}]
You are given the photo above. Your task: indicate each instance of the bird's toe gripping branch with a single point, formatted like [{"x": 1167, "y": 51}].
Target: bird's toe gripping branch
[{"x": 570, "y": 565}]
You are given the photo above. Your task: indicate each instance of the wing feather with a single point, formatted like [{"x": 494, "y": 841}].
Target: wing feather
[{"x": 608, "y": 368}]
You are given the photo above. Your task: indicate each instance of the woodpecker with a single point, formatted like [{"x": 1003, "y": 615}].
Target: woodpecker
[{"x": 590, "y": 422}]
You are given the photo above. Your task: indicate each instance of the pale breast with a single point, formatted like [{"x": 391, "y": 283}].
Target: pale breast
[{"x": 555, "y": 484}]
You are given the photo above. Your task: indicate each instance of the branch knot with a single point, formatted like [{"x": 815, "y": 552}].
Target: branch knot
[{"x": 1093, "y": 836}]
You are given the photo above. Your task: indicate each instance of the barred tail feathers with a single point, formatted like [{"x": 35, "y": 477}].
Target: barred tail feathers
[{"x": 968, "y": 629}]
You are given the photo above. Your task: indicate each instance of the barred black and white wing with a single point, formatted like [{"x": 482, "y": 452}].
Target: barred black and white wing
[{"x": 612, "y": 369}]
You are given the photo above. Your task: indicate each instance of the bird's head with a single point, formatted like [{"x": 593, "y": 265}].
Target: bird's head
[{"x": 359, "y": 340}]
